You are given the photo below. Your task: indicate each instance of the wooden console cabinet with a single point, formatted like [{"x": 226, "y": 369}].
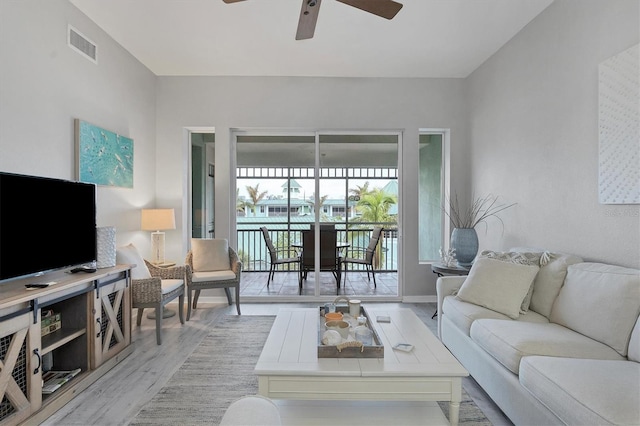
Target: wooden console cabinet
[{"x": 94, "y": 335}]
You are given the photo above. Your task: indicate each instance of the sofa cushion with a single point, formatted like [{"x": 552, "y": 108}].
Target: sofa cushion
[
  {"x": 521, "y": 258},
  {"x": 634, "y": 343},
  {"x": 463, "y": 314},
  {"x": 585, "y": 391},
  {"x": 129, "y": 255},
  {"x": 600, "y": 301},
  {"x": 499, "y": 286},
  {"x": 549, "y": 281},
  {"x": 210, "y": 254},
  {"x": 509, "y": 341}
]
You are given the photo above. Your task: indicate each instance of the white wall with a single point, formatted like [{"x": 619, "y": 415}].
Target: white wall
[
  {"x": 524, "y": 125},
  {"x": 534, "y": 133},
  {"x": 308, "y": 103},
  {"x": 44, "y": 85}
]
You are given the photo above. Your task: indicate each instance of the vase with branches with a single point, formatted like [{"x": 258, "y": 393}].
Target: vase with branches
[{"x": 464, "y": 238}]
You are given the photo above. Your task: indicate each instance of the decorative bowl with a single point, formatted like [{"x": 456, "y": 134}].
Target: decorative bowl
[
  {"x": 333, "y": 316},
  {"x": 341, "y": 327}
]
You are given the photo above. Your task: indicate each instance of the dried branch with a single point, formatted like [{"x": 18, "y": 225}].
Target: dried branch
[{"x": 481, "y": 209}]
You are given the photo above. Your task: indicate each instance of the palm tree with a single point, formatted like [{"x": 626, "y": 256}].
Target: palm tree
[
  {"x": 241, "y": 203},
  {"x": 359, "y": 191},
  {"x": 256, "y": 196},
  {"x": 311, "y": 202},
  {"x": 374, "y": 207}
]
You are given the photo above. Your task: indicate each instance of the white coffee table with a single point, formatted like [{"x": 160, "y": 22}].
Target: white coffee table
[{"x": 289, "y": 368}]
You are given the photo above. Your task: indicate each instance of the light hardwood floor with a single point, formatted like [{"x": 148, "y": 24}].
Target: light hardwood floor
[{"x": 117, "y": 397}]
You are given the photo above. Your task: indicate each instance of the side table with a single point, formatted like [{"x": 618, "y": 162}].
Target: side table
[{"x": 441, "y": 270}]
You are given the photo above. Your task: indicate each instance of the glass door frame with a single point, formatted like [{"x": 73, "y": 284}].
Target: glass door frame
[{"x": 236, "y": 132}]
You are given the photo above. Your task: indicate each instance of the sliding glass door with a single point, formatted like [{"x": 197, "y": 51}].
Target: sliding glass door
[{"x": 294, "y": 184}]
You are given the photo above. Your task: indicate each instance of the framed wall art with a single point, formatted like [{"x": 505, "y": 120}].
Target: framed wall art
[
  {"x": 619, "y": 128},
  {"x": 103, "y": 157}
]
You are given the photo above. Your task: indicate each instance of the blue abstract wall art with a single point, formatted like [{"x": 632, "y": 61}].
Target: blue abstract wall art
[{"x": 104, "y": 158}]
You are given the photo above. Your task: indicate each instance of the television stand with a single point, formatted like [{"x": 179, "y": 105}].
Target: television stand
[{"x": 79, "y": 327}]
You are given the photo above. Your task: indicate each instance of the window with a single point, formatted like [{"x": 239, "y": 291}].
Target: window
[{"x": 430, "y": 192}]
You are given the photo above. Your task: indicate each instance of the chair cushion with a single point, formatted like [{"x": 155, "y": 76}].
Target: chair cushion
[
  {"x": 210, "y": 254},
  {"x": 510, "y": 341},
  {"x": 499, "y": 286},
  {"x": 199, "y": 277},
  {"x": 129, "y": 255},
  {"x": 170, "y": 285},
  {"x": 585, "y": 391}
]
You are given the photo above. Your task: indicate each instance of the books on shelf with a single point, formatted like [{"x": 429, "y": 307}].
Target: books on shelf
[
  {"x": 50, "y": 322},
  {"x": 52, "y": 380}
]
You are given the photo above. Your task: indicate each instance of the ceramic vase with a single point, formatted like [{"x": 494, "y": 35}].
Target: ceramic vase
[{"x": 465, "y": 241}]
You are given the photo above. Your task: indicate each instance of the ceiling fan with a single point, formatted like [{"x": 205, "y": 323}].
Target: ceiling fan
[{"x": 310, "y": 8}]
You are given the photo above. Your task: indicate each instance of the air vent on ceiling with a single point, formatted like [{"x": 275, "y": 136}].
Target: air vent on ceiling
[{"x": 81, "y": 44}]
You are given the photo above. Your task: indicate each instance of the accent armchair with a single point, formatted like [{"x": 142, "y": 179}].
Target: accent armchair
[
  {"x": 274, "y": 255},
  {"x": 153, "y": 287},
  {"x": 211, "y": 263},
  {"x": 364, "y": 255}
]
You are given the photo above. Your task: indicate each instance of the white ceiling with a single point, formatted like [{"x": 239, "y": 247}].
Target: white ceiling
[{"x": 428, "y": 38}]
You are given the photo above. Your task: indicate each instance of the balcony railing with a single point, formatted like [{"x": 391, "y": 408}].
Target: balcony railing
[{"x": 254, "y": 254}]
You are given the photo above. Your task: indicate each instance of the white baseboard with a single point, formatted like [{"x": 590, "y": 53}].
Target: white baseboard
[
  {"x": 420, "y": 299},
  {"x": 213, "y": 300},
  {"x": 223, "y": 299}
]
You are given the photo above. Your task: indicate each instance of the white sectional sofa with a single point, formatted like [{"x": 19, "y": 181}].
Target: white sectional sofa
[{"x": 572, "y": 356}]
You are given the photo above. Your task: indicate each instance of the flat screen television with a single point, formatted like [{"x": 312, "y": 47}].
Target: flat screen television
[{"x": 45, "y": 225}]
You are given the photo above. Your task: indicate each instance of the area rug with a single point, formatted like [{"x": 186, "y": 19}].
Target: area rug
[{"x": 220, "y": 370}]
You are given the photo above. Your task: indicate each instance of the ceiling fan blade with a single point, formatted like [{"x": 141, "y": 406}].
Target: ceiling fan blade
[
  {"x": 383, "y": 8},
  {"x": 308, "y": 19},
  {"x": 231, "y": 1}
]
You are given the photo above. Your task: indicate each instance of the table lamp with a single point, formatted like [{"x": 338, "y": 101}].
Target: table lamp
[{"x": 157, "y": 220}]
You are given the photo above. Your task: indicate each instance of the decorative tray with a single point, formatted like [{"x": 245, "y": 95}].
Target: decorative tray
[{"x": 344, "y": 350}]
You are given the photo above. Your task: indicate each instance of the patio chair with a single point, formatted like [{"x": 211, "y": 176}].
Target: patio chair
[
  {"x": 329, "y": 254},
  {"x": 211, "y": 263},
  {"x": 153, "y": 287},
  {"x": 274, "y": 255},
  {"x": 364, "y": 255}
]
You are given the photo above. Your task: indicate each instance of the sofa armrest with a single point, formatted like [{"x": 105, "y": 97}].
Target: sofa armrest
[{"x": 446, "y": 286}]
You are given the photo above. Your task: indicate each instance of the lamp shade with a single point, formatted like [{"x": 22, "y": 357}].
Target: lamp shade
[{"x": 158, "y": 219}]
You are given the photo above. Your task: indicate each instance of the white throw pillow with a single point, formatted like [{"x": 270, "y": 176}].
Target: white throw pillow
[
  {"x": 497, "y": 285},
  {"x": 129, "y": 255},
  {"x": 521, "y": 258},
  {"x": 210, "y": 254}
]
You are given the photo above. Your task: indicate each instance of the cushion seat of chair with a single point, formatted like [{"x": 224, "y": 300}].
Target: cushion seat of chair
[
  {"x": 356, "y": 260},
  {"x": 202, "y": 276},
  {"x": 170, "y": 285}
]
